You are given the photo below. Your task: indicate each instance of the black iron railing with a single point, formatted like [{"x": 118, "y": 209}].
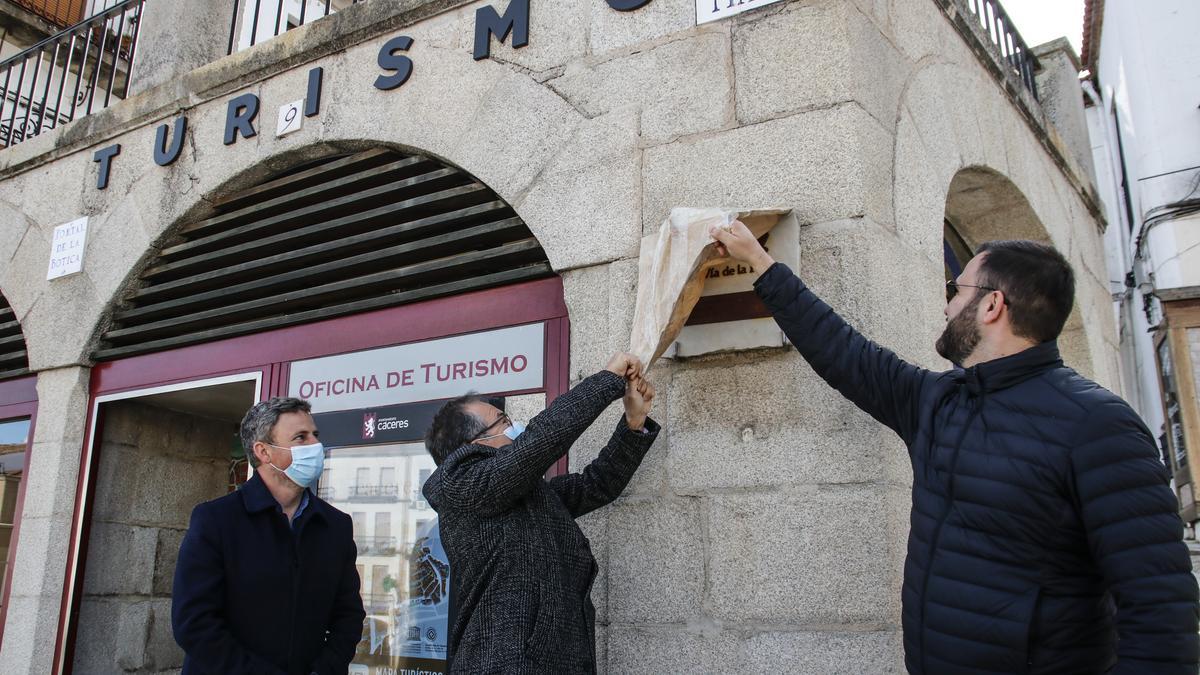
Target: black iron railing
[
  {"x": 257, "y": 20},
  {"x": 383, "y": 493},
  {"x": 1004, "y": 36},
  {"x": 375, "y": 545},
  {"x": 66, "y": 76}
]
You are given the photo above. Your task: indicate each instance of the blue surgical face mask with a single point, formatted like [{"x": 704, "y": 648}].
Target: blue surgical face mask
[
  {"x": 306, "y": 466},
  {"x": 516, "y": 429}
]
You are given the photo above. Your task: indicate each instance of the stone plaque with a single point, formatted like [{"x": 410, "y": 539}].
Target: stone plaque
[
  {"x": 679, "y": 267},
  {"x": 66, "y": 249}
]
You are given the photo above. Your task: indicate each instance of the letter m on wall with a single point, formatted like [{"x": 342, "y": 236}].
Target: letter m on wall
[{"x": 488, "y": 22}]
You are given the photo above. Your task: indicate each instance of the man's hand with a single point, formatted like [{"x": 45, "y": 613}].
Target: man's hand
[
  {"x": 639, "y": 395},
  {"x": 624, "y": 365},
  {"x": 738, "y": 242}
]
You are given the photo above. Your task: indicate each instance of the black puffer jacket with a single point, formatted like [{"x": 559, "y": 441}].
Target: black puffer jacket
[
  {"x": 1044, "y": 537},
  {"x": 521, "y": 569}
]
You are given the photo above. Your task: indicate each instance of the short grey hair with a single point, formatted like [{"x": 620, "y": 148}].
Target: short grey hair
[{"x": 260, "y": 420}]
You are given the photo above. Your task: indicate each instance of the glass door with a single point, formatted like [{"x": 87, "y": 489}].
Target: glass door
[{"x": 404, "y": 572}]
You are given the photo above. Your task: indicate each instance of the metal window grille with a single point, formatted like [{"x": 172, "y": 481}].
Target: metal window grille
[
  {"x": 14, "y": 360},
  {"x": 350, "y": 234}
]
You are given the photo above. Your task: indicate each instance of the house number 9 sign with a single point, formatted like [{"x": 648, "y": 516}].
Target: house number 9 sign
[{"x": 290, "y": 118}]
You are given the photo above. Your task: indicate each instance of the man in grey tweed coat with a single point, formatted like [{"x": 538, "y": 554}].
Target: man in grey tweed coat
[{"x": 521, "y": 569}]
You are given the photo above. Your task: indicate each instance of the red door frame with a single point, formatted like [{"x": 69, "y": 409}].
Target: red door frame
[
  {"x": 271, "y": 352},
  {"x": 18, "y": 400}
]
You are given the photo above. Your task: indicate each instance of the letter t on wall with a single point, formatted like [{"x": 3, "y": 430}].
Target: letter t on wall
[{"x": 104, "y": 157}]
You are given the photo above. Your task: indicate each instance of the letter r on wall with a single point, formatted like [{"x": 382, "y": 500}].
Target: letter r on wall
[{"x": 240, "y": 118}]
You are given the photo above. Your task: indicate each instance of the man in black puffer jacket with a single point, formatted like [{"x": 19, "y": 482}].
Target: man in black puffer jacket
[{"x": 1044, "y": 537}]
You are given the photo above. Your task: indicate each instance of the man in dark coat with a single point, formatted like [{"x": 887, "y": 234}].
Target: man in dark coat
[
  {"x": 1044, "y": 536},
  {"x": 521, "y": 570},
  {"x": 266, "y": 582}
]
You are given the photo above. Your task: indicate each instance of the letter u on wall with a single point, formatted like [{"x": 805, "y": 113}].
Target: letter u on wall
[{"x": 164, "y": 155}]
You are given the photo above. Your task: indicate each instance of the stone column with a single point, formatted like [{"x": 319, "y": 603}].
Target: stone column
[
  {"x": 177, "y": 37},
  {"x": 31, "y": 625},
  {"x": 1062, "y": 100}
]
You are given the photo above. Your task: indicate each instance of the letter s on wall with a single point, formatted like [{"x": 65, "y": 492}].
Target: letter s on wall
[{"x": 390, "y": 60}]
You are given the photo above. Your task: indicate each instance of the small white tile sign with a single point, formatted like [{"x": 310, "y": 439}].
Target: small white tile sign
[
  {"x": 66, "y": 249},
  {"x": 291, "y": 118},
  {"x": 715, "y": 10}
]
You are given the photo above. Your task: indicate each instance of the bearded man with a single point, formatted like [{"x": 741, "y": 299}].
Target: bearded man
[{"x": 1045, "y": 537}]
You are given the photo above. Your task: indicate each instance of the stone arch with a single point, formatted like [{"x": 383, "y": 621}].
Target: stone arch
[
  {"x": 322, "y": 232},
  {"x": 962, "y": 156},
  {"x": 983, "y": 205},
  {"x": 557, "y": 167}
]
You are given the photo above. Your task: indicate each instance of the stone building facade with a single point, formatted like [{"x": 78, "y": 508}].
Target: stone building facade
[{"x": 766, "y": 530}]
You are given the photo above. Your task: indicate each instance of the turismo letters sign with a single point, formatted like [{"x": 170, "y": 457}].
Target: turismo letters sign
[
  {"x": 393, "y": 61},
  {"x": 498, "y": 361}
]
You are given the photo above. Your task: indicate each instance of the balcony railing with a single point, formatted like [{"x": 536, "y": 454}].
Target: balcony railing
[
  {"x": 375, "y": 545},
  {"x": 374, "y": 493},
  {"x": 66, "y": 76},
  {"x": 1004, "y": 36},
  {"x": 255, "y": 21},
  {"x": 379, "y": 604}
]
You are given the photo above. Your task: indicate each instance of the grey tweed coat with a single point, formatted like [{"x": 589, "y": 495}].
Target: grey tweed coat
[{"x": 521, "y": 569}]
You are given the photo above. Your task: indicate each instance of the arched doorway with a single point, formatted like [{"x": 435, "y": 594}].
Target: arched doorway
[
  {"x": 983, "y": 205},
  {"x": 374, "y": 284}
]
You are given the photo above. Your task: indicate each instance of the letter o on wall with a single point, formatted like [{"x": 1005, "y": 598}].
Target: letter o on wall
[{"x": 627, "y": 5}]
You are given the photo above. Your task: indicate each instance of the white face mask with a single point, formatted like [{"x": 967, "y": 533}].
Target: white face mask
[{"x": 306, "y": 466}]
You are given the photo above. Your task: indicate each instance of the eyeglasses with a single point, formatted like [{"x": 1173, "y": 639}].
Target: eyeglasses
[
  {"x": 952, "y": 287},
  {"x": 502, "y": 418}
]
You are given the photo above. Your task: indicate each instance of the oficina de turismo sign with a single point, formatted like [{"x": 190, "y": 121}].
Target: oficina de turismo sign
[{"x": 396, "y": 67}]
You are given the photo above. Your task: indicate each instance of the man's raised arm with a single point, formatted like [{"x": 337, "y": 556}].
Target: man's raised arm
[{"x": 873, "y": 378}]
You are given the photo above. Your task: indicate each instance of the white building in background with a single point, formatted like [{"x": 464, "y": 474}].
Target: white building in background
[{"x": 1143, "y": 107}]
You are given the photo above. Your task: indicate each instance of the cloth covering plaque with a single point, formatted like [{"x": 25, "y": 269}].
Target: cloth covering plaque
[{"x": 672, "y": 268}]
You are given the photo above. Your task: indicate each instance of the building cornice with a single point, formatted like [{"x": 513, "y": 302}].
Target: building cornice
[{"x": 1178, "y": 294}]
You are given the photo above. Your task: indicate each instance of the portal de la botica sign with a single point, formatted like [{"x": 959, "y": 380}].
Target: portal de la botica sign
[{"x": 396, "y": 66}]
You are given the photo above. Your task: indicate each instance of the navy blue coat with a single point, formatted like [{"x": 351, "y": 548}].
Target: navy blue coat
[
  {"x": 252, "y": 597},
  {"x": 1044, "y": 536}
]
